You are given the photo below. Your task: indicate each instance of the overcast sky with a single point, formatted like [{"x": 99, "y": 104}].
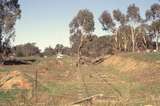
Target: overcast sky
[{"x": 46, "y": 21}]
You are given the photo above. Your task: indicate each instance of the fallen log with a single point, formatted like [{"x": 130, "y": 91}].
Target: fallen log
[
  {"x": 18, "y": 61},
  {"x": 15, "y": 62},
  {"x": 87, "y": 99},
  {"x": 94, "y": 98},
  {"x": 100, "y": 59}
]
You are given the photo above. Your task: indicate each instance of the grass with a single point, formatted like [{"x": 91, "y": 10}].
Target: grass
[
  {"x": 150, "y": 57},
  {"x": 4, "y": 69},
  {"x": 9, "y": 95},
  {"x": 6, "y": 96},
  {"x": 60, "y": 79},
  {"x": 128, "y": 85},
  {"x": 60, "y": 89}
]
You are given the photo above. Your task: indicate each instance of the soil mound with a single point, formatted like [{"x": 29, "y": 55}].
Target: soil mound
[
  {"x": 126, "y": 64},
  {"x": 14, "y": 79}
]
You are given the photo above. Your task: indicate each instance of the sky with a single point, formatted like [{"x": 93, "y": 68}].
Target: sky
[{"x": 46, "y": 22}]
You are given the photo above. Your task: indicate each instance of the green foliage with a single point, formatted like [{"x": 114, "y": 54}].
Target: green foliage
[
  {"x": 28, "y": 49},
  {"x": 107, "y": 21},
  {"x": 49, "y": 51},
  {"x": 83, "y": 22},
  {"x": 8, "y": 95},
  {"x": 9, "y": 12},
  {"x": 133, "y": 12}
]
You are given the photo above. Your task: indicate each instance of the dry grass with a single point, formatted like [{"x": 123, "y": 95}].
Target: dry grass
[{"x": 58, "y": 84}]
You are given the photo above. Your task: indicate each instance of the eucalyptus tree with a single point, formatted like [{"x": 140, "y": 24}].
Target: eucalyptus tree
[
  {"x": 81, "y": 27},
  {"x": 9, "y": 12},
  {"x": 124, "y": 32},
  {"x": 107, "y": 21},
  {"x": 122, "y": 37},
  {"x": 134, "y": 20},
  {"x": 114, "y": 23},
  {"x": 141, "y": 36},
  {"x": 130, "y": 29},
  {"x": 153, "y": 18},
  {"x": 108, "y": 25}
]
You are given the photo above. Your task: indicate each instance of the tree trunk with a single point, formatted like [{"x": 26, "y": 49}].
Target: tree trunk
[
  {"x": 125, "y": 47},
  {"x": 116, "y": 39},
  {"x": 157, "y": 48},
  {"x": 119, "y": 46},
  {"x": 145, "y": 42},
  {"x": 1, "y": 51},
  {"x": 133, "y": 39},
  {"x": 80, "y": 75},
  {"x": 115, "y": 43},
  {"x": 79, "y": 50}
]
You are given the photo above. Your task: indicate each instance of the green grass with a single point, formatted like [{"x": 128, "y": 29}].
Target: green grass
[
  {"x": 63, "y": 86},
  {"x": 9, "y": 95},
  {"x": 131, "y": 87},
  {"x": 4, "y": 70},
  {"x": 60, "y": 89},
  {"x": 150, "y": 57}
]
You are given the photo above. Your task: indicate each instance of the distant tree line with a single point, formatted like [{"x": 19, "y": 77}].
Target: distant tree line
[
  {"x": 30, "y": 49},
  {"x": 125, "y": 32},
  {"x": 128, "y": 32},
  {"x": 59, "y": 48},
  {"x": 25, "y": 50}
]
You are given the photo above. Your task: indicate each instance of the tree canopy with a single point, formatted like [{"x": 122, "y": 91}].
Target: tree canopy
[{"x": 9, "y": 12}]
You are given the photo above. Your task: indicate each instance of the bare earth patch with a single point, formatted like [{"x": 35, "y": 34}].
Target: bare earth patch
[
  {"x": 14, "y": 79},
  {"x": 127, "y": 64}
]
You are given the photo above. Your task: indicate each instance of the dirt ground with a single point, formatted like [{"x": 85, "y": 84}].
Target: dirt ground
[{"x": 116, "y": 76}]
